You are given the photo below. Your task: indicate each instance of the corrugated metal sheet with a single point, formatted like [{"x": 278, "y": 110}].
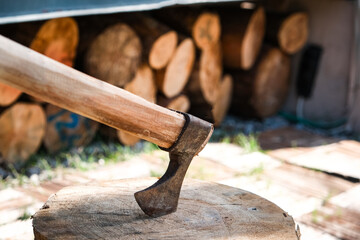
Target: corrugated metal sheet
[{"x": 26, "y": 10}]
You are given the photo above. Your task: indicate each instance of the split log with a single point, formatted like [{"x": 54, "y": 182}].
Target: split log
[
  {"x": 114, "y": 55},
  {"x": 8, "y": 95},
  {"x": 21, "y": 132},
  {"x": 261, "y": 92},
  {"x": 66, "y": 129},
  {"x": 159, "y": 42},
  {"x": 222, "y": 104},
  {"x": 179, "y": 103},
  {"x": 206, "y": 210},
  {"x": 242, "y": 36},
  {"x": 172, "y": 80},
  {"x": 203, "y": 26},
  {"x": 288, "y": 31},
  {"x": 144, "y": 86}
]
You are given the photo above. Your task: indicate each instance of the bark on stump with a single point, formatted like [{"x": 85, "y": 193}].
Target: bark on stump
[
  {"x": 288, "y": 31},
  {"x": 261, "y": 92},
  {"x": 108, "y": 210},
  {"x": 114, "y": 55},
  {"x": 22, "y": 128},
  {"x": 242, "y": 36}
]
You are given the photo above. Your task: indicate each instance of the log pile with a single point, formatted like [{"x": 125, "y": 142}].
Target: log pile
[{"x": 190, "y": 59}]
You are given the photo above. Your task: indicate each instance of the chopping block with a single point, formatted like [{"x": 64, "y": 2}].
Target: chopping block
[{"x": 206, "y": 210}]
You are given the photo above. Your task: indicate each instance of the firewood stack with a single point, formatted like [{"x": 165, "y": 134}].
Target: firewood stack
[{"x": 201, "y": 60}]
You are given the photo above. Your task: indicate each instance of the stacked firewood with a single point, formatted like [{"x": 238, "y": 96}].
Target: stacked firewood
[{"x": 200, "y": 61}]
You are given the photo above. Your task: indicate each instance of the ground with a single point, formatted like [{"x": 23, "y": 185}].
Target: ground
[{"x": 314, "y": 178}]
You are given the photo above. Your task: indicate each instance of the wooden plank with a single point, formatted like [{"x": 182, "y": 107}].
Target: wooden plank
[{"x": 338, "y": 221}]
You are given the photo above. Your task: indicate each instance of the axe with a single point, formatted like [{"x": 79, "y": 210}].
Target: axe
[{"x": 181, "y": 134}]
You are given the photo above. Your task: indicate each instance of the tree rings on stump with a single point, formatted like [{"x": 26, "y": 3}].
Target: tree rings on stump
[
  {"x": 22, "y": 128},
  {"x": 114, "y": 55},
  {"x": 206, "y": 210}
]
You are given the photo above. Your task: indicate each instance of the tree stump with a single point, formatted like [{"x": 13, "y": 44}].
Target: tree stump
[
  {"x": 22, "y": 128},
  {"x": 108, "y": 210}
]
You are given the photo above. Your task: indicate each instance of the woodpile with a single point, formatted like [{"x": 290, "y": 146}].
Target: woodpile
[{"x": 200, "y": 60}]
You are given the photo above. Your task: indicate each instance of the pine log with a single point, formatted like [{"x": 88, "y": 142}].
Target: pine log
[
  {"x": 261, "y": 92},
  {"x": 144, "y": 86},
  {"x": 159, "y": 42},
  {"x": 222, "y": 104},
  {"x": 179, "y": 103},
  {"x": 66, "y": 129},
  {"x": 114, "y": 55},
  {"x": 8, "y": 95},
  {"x": 203, "y": 26},
  {"x": 172, "y": 80},
  {"x": 21, "y": 132},
  {"x": 242, "y": 36},
  {"x": 206, "y": 210},
  {"x": 288, "y": 31}
]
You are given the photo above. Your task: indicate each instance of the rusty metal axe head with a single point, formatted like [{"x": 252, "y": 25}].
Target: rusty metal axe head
[{"x": 162, "y": 197}]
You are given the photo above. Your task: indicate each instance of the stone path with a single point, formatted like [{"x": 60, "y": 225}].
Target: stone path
[{"x": 326, "y": 207}]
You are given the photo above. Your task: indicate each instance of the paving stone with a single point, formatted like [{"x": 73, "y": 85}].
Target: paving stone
[
  {"x": 19, "y": 230},
  {"x": 310, "y": 233}
]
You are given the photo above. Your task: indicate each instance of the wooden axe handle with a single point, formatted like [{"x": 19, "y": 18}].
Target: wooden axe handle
[{"x": 42, "y": 77}]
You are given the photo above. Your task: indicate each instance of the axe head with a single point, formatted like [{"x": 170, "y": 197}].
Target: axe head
[{"x": 162, "y": 197}]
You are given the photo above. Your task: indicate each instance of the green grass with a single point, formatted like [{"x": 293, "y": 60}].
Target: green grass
[{"x": 248, "y": 143}]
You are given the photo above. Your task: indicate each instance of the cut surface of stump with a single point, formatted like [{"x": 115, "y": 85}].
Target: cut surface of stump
[
  {"x": 242, "y": 37},
  {"x": 8, "y": 94},
  {"x": 108, "y": 210},
  {"x": 289, "y": 32},
  {"x": 66, "y": 129},
  {"x": 143, "y": 85},
  {"x": 261, "y": 92},
  {"x": 22, "y": 128},
  {"x": 114, "y": 55},
  {"x": 173, "y": 79}
]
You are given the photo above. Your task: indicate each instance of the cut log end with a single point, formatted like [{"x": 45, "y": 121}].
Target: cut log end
[
  {"x": 21, "y": 132},
  {"x": 253, "y": 38},
  {"x": 293, "y": 33},
  {"x": 271, "y": 83},
  {"x": 179, "y": 69},
  {"x": 205, "y": 211},
  {"x": 114, "y": 55},
  {"x": 206, "y": 30},
  {"x": 8, "y": 95},
  {"x": 57, "y": 39},
  {"x": 210, "y": 70},
  {"x": 223, "y": 101},
  {"x": 180, "y": 103},
  {"x": 162, "y": 50}
]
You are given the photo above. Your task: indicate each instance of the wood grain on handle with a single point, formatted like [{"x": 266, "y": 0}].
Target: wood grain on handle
[{"x": 42, "y": 77}]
